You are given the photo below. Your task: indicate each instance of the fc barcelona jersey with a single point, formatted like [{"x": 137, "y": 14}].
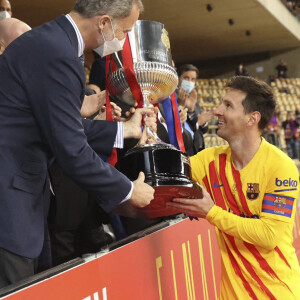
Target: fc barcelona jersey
[{"x": 254, "y": 217}]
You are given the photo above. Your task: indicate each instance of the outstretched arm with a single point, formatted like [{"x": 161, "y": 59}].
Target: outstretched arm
[{"x": 264, "y": 232}]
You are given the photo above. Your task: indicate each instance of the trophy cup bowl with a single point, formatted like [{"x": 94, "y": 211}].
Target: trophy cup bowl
[{"x": 166, "y": 168}]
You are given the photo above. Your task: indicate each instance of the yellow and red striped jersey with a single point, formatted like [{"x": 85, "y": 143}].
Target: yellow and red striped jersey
[{"x": 254, "y": 217}]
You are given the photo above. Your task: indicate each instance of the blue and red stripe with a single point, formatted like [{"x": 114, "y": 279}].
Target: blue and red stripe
[{"x": 271, "y": 205}]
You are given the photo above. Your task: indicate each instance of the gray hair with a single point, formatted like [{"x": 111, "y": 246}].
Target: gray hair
[{"x": 117, "y": 9}]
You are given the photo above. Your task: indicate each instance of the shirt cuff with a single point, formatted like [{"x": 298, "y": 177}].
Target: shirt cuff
[
  {"x": 129, "y": 194},
  {"x": 212, "y": 213},
  {"x": 119, "y": 141}
]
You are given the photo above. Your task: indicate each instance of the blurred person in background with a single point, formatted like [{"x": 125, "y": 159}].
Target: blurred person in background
[
  {"x": 292, "y": 135},
  {"x": 272, "y": 132},
  {"x": 10, "y": 29},
  {"x": 197, "y": 120},
  {"x": 241, "y": 70},
  {"x": 5, "y": 9},
  {"x": 281, "y": 69}
]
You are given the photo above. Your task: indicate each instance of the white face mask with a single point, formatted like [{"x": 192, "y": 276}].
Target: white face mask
[
  {"x": 188, "y": 86},
  {"x": 4, "y": 15},
  {"x": 109, "y": 47}
]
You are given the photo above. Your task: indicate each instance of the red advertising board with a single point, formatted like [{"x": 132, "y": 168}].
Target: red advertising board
[{"x": 181, "y": 261}]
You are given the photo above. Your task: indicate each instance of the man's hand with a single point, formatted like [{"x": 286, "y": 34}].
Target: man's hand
[
  {"x": 182, "y": 114},
  {"x": 191, "y": 101},
  {"x": 142, "y": 193},
  {"x": 181, "y": 97},
  {"x": 205, "y": 117},
  {"x": 193, "y": 207},
  {"x": 132, "y": 127},
  {"x": 130, "y": 112},
  {"x": 93, "y": 103},
  {"x": 147, "y": 138},
  {"x": 115, "y": 109}
]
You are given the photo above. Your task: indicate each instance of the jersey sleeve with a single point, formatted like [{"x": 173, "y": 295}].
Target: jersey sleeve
[
  {"x": 277, "y": 212},
  {"x": 262, "y": 232},
  {"x": 282, "y": 191}
]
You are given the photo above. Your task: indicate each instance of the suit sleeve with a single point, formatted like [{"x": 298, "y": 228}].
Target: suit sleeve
[
  {"x": 55, "y": 92},
  {"x": 98, "y": 131}
]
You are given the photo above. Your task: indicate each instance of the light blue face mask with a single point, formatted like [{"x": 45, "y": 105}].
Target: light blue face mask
[{"x": 187, "y": 85}]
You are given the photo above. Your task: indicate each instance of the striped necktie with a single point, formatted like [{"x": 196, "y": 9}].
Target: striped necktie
[{"x": 82, "y": 59}]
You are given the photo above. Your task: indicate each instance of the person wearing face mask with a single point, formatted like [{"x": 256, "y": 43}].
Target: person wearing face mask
[
  {"x": 5, "y": 9},
  {"x": 109, "y": 46},
  {"x": 42, "y": 85},
  {"x": 197, "y": 121}
]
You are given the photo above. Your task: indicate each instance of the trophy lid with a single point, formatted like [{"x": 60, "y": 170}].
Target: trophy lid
[{"x": 149, "y": 41}]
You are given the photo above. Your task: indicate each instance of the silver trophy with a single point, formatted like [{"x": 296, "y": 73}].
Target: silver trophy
[
  {"x": 152, "y": 63},
  {"x": 166, "y": 168}
]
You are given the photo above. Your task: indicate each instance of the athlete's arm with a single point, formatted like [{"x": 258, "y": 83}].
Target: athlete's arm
[
  {"x": 276, "y": 215},
  {"x": 264, "y": 232}
]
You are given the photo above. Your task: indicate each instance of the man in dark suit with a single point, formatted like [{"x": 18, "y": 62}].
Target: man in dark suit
[{"x": 42, "y": 86}]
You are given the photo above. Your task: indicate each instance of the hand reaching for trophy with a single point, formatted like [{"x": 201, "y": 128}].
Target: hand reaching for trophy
[
  {"x": 142, "y": 193},
  {"x": 132, "y": 127},
  {"x": 93, "y": 103}
]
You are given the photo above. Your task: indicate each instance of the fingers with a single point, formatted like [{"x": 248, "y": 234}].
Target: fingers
[
  {"x": 142, "y": 193},
  {"x": 184, "y": 201},
  {"x": 150, "y": 138},
  {"x": 180, "y": 207},
  {"x": 155, "y": 110},
  {"x": 131, "y": 111},
  {"x": 151, "y": 123},
  {"x": 101, "y": 98},
  {"x": 147, "y": 111},
  {"x": 147, "y": 138},
  {"x": 116, "y": 111},
  {"x": 141, "y": 177},
  {"x": 143, "y": 139},
  {"x": 181, "y": 96},
  {"x": 193, "y": 92},
  {"x": 183, "y": 114}
]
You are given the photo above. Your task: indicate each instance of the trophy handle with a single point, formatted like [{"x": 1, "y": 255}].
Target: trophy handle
[{"x": 147, "y": 103}]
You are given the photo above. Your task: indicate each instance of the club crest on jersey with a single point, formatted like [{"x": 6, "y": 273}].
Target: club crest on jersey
[
  {"x": 253, "y": 191},
  {"x": 280, "y": 202}
]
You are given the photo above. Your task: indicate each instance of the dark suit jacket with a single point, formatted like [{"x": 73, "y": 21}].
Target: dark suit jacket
[
  {"x": 198, "y": 140},
  {"x": 42, "y": 85}
]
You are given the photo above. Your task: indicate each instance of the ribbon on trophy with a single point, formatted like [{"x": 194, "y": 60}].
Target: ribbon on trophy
[
  {"x": 132, "y": 82},
  {"x": 110, "y": 66},
  {"x": 173, "y": 122},
  {"x": 130, "y": 75}
]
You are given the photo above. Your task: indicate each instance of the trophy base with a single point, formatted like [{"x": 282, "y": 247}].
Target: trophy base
[
  {"x": 157, "y": 208},
  {"x": 167, "y": 170}
]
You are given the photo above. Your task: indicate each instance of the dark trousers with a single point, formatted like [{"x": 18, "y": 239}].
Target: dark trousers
[
  {"x": 14, "y": 268},
  {"x": 75, "y": 221}
]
